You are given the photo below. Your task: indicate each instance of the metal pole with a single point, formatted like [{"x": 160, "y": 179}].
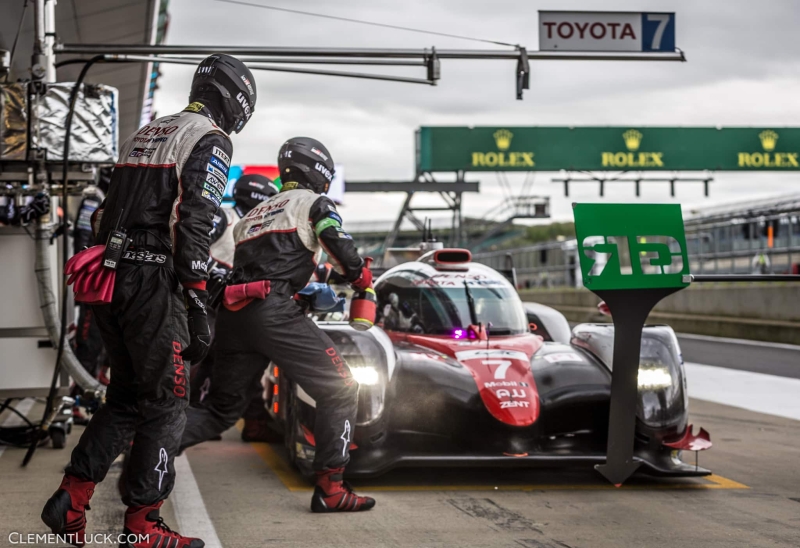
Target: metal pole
[
  {"x": 392, "y": 236},
  {"x": 255, "y": 66},
  {"x": 144, "y": 49},
  {"x": 741, "y": 278},
  {"x": 38, "y": 60},
  {"x": 310, "y": 60},
  {"x": 49, "y": 40},
  {"x": 790, "y": 228}
]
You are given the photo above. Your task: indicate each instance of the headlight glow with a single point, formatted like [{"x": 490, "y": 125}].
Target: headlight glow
[
  {"x": 653, "y": 378},
  {"x": 366, "y": 375}
]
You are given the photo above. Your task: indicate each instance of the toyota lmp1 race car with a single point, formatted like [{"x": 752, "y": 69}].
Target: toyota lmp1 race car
[{"x": 458, "y": 371}]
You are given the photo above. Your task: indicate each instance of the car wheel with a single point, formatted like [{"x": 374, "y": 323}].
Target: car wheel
[
  {"x": 58, "y": 438},
  {"x": 292, "y": 437},
  {"x": 290, "y": 427}
]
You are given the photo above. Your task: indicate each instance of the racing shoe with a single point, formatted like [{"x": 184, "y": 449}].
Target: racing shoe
[
  {"x": 65, "y": 512},
  {"x": 145, "y": 522},
  {"x": 334, "y": 495}
]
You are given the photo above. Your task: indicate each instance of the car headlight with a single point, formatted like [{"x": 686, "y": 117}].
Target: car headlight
[
  {"x": 371, "y": 393},
  {"x": 365, "y": 375},
  {"x": 662, "y": 396},
  {"x": 654, "y": 378}
]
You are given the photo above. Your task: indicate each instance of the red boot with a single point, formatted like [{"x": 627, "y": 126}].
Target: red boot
[
  {"x": 334, "y": 495},
  {"x": 146, "y": 523},
  {"x": 65, "y": 512}
]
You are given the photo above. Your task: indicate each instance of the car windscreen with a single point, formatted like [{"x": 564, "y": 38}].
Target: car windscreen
[{"x": 424, "y": 308}]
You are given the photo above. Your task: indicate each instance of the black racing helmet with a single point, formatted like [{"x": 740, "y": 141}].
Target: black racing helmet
[
  {"x": 307, "y": 162},
  {"x": 234, "y": 82},
  {"x": 251, "y": 190}
]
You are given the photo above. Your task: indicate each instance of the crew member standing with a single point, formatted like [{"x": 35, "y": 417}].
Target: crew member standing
[
  {"x": 88, "y": 340},
  {"x": 277, "y": 247},
  {"x": 165, "y": 189}
]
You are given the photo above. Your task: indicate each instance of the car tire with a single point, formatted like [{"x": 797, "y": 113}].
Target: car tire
[
  {"x": 292, "y": 427},
  {"x": 58, "y": 438}
]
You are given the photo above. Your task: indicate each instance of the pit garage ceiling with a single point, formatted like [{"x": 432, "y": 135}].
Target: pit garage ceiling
[{"x": 94, "y": 22}]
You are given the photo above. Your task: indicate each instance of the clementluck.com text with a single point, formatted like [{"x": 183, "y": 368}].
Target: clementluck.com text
[{"x": 71, "y": 538}]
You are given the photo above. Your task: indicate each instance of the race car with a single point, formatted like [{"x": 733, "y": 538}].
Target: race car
[{"x": 458, "y": 371}]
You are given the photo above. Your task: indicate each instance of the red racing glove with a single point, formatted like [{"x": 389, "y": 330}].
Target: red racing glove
[{"x": 364, "y": 281}]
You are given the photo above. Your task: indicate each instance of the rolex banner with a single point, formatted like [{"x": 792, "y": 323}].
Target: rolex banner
[{"x": 624, "y": 148}]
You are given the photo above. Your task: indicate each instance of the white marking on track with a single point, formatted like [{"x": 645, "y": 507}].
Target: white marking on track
[
  {"x": 190, "y": 510},
  {"x": 757, "y": 392},
  {"x": 13, "y": 419}
]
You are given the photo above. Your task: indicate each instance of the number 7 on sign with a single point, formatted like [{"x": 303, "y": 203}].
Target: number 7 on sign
[
  {"x": 663, "y": 19},
  {"x": 500, "y": 372},
  {"x": 658, "y": 32}
]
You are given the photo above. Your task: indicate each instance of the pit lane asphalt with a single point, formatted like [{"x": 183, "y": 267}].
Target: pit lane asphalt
[{"x": 252, "y": 499}]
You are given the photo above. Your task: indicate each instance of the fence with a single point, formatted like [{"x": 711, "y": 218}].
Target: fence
[{"x": 760, "y": 239}]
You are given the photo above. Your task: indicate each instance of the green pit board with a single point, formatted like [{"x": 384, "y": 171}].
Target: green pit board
[{"x": 631, "y": 246}]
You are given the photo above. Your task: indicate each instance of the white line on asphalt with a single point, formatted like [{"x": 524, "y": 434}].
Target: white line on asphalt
[
  {"x": 13, "y": 419},
  {"x": 745, "y": 342},
  {"x": 744, "y": 389},
  {"x": 190, "y": 510}
]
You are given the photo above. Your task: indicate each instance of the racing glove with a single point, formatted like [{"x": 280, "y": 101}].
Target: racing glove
[
  {"x": 8, "y": 212},
  {"x": 199, "y": 333},
  {"x": 217, "y": 281},
  {"x": 365, "y": 280},
  {"x": 13, "y": 215},
  {"x": 39, "y": 207}
]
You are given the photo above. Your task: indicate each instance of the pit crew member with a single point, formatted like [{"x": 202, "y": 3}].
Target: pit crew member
[
  {"x": 277, "y": 246},
  {"x": 248, "y": 191},
  {"x": 164, "y": 191}
]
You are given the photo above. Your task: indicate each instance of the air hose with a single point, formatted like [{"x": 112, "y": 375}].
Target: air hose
[{"x": 57, "y": 330}]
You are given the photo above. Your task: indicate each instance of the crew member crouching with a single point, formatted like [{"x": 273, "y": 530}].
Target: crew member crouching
[
  {"x": 277, "y": 245},
  {"x": 248, "y": 192}
]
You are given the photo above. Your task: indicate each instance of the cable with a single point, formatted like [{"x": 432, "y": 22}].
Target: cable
[
  {"x": 20, "y": 415},
  {"x": 361, "y": 22},
  {"x": 17, "y": 436},
  {"x": 28, "y": 232},
  {"x": 16, "y": 38},
  {"x": 20, "y": 436},
  {"x": 73, "y": 99}
]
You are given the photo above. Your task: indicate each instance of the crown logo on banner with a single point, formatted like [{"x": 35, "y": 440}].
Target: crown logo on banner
[
  {"x": 633, "y": 139},
  {"x": 768, "y": 139},
  {"x": 503, "y": 138}
]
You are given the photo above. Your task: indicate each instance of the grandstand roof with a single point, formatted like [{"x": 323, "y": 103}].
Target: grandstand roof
[{"x": 93, "y": 22}]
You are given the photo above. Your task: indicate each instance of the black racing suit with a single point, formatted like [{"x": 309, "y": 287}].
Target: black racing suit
[
  {"x": 220, "y": 263},
  {"x": 165, "y": 190},
  {"x": 280, "y": 241}
]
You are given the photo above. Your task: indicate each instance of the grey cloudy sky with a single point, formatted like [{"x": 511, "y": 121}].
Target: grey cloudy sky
[{"x": 743, "y": 69}]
